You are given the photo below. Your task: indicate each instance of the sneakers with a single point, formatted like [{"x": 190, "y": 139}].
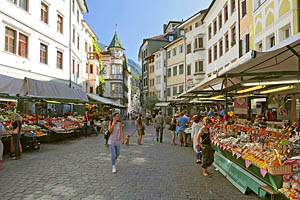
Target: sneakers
[{"x": 114, "y": 169}]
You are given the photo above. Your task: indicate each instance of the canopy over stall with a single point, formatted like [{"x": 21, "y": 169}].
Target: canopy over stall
[{"x": 103, "y": 100}]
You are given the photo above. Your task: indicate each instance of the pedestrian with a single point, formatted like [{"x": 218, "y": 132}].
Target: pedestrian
[
  {"x": 204, "y": 142},
  {"x": 140, "y": 127},
  {"x": 87, "y": 119},
  {"x": 116, "y": 136},
  {"x": 173, "y": 129},
  {"x": 223, "y": 111},
  {"x": 197, "y": 124},
  {"x": 159, "y": 125},
  {"x": 1, "y": 144},
  {"x": 182, "y": 124},
  {"x": 15, "y": 127},
  {"x": 148, "y": 118},
  {"x": 104, "y": 129}
]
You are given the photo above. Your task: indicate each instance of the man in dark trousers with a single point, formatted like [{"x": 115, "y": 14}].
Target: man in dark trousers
[{"x": 159, "y": 125}]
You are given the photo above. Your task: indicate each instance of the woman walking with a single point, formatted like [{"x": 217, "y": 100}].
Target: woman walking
[
  {"x": 197, "y": 124},
  {"x": 173, "y": 129},
  {"x": 16, "y": 134},
  {"x": 140, "y": 126},
  {"x": 117, "y": 134},
  {"x": 104, "y": 129},
  {"x": 205, "y": 144}
]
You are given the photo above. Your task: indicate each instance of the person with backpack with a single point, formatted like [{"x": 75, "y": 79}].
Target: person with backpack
[
  {"x": 116, "y": 136},
  {"x": 104, "y": 129}
]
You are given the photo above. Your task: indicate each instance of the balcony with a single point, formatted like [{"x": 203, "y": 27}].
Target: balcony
[
  {"x": 116, "y": 76},
  {"x": 116, "y": 61},
  {"x": 117, "y": 95},
  {"x": 198, "y": 76}
]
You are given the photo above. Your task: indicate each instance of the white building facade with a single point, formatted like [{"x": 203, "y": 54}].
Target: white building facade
[
  {"x": 222, "y": 37},
  {"x": 38, "y": 41},
  {"x": 160, "y": 74}
]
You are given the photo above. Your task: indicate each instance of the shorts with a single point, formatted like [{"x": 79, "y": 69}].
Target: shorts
[
  {"x": 173, "y": 133},
  {"x": 182, "y": 133}
]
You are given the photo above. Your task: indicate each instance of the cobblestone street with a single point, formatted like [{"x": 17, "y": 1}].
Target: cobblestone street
[{"x": 81, "y": 169}]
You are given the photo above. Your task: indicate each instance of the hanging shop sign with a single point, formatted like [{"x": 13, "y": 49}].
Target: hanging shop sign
[{"x": 241, "y": 105}]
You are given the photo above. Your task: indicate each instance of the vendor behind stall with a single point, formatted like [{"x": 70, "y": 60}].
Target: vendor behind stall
[
  {"x": 51, "y": 113},
  {"x": 15, "y": 127}
]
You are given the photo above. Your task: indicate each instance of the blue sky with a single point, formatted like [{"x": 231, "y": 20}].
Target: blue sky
[{"x": 137, "y": 19}]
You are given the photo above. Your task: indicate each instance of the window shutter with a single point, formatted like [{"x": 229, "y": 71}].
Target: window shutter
[{"x": 247, "y": 43}]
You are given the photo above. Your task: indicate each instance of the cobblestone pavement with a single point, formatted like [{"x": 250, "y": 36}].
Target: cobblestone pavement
[{"x": 81, "y": 169}]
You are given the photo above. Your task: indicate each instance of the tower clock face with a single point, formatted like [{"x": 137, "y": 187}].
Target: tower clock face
[{"x": 241, "y": 101}]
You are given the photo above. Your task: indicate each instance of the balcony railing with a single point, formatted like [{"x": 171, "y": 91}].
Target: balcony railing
[
  {"x": 117, "y": 95},
  {"x": 116, "y": 61},
  {"x": 116, "y": 76}
]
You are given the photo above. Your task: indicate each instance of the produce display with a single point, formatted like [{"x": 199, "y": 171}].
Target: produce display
[
  {"x": 268, "y": 148},
  {"x": 62, "y": 125},
  {"x": 291, "y": 186}
]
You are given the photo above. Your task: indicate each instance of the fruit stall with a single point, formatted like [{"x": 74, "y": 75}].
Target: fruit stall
[{"x": 251, "y": 155}]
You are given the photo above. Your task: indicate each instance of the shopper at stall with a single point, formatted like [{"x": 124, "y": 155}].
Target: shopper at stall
[
  {"x": 140, "y": 127},
  {"x": 104, "y": 129},
  {"x": 197, "y": 124},
  {"x": 15, "y": 127},
  {"x": 204, "y": 142},
  {"x": 182, "y": 124},
  {"x": 159, "y": 125},
  {"x": 173, "y": 129},
  {"x": 222, "y": 111},
  {"x": 87, "y": 124},
  {"x": 116, "y": 136}
]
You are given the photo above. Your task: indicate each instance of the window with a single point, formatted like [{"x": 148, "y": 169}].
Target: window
[
  {"x": 86, "y": 46},
  {"x": 168, "y": 92},
  {"x": 86, "y": 87},
  {"x": 209, "y": 32},
  {"x": 90, "y": 49},
  {"x": 188, "y": 48},
  {"x": 59, "y": 60},
  {"x": 59, "y": 23},
  {"x": 174, "y": 51},
  {"x": 181, "y": 49},
  {"x": 73, "y": 36},
  {"x": 220, "y": 48},
  {"x": 189, "y": 70},
  {"x": 116, "y": 70},
  {"x": 91, "y": 89},
  {"x": 199, "y": 66},
  {"x": 169, "y": 54},
  {"x": 190, "y": 28},
  {"x": 244, "y": 8},
  {"x": 158, "y": 79},
  {"x": 175, "y": 91},
  {"x": 44, "y": 13},
  {"x": 97, "y": 70},
  {"x": 199, "y": 43},
  {"x": 23, "y": 45},
  {"x": 259, "y": 46},
  {"x": 232, "y": 6},
  {"x": 180, "y": 89},
  {"x": 225, "y": 12},
  {"x": 78, "y": 67},
  {"x": 226, "y": 42},
  {"x": 151, "y": 69},
  {"x": 272, "y": 41},
  {"x": 181, "y": 69},
  {"x": 78, "y": 42},
  {"x": 175, "y": 71},
  {"x": 10, "y": 40},
  {"x": 77, "y": 16},
  {"x": 209, "y": 56},
  {"x": 258, "y": 3},
  {"x": 169, "y": 72},
  {"x": 151, "y": 82},
  {"x": 73, "y": 66},
  {"x": 91, "y": 69},
  {"x": 285, "y": 32},
  {"x": 23, "y": 4},
  {"x": 87, "y": 68},
  {"x": 43, "y": 53},
  {"x": 73, "y": 6},
  {"x": 215, "y": 52},
  {"x": 215, "y": 27},
  {"x": 220, "y": 20},
  {"x": 233, "y": 36}
]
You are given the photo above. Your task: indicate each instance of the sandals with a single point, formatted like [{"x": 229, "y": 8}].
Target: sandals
[{"x": 205, "y": 174}]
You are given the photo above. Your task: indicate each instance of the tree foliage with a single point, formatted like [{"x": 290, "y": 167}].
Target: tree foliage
[{"x": 150, "y": 102}]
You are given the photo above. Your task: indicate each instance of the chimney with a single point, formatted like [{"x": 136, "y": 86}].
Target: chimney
[{"x": 164, "y": 28}]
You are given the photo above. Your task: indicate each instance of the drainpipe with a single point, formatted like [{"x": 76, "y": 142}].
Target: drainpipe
[
  {"x": 298, "y": 15},
  {"x": 70, "y": 45},
  {"x": 239, "y": 30},
  {"x": 185, "y": 74}
]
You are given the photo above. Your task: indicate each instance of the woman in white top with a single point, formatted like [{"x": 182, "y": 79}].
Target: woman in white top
[{"x": 197, "y": 124}]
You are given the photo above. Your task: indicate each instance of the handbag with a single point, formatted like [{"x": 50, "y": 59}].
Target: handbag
[{"x": 198, "y": 147}]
